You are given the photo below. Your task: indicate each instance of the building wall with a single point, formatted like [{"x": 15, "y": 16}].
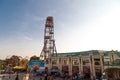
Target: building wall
[{"x": 94, "y": 64}]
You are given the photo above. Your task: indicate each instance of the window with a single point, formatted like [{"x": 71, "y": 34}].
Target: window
[
  {"x": 54, "y": 62},
  {"x": 107, "y": 63},
  {"x": 65, "y": 61},
  {"x": 75, "y": 62},
  {"x": 97, "y": 63},
  {"x": 86, "y": 60}
]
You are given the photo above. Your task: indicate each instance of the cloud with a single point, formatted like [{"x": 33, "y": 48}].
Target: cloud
[
  {"x": 37, "y": 18},
  {"x": 28, "y": 38}
]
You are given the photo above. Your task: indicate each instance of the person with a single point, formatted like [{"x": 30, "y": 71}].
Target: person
[
  {"x": 45, "y": 76},
  {"x": 52, "y": 77},
  {"x": 1, "y": 78},
  {"x": 17, "y": 78},
  {"x": 40, "y": 78},
  {"x": 26, "y": 77},
  {"x": 48, "y": 78},
  {"x": 94, "y": 78},
  {"x": 101, "y": 78}
]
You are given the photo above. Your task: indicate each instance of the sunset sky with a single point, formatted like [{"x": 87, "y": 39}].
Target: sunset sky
[{"x": 79, "y": 25}]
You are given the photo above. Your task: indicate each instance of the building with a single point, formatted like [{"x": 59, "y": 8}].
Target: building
[{"x": 88, "y": 64}]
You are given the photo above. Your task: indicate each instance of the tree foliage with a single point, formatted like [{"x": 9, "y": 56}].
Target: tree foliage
[
  {"x": 13, "y": 60},
  {"x": 34, "y": 58},
  {"x": 24, "y": 62}
]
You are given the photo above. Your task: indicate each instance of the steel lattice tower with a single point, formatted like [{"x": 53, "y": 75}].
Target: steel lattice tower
[{"x": 49, "y": 47}]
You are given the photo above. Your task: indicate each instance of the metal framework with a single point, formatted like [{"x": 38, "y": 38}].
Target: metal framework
[{"x": 49, "y": 47}]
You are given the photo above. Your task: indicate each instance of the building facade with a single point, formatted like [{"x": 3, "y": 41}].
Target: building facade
[{"x": 88, "y": 64}]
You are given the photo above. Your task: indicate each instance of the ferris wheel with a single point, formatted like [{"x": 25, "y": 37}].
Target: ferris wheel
[{"x": 49, "y": 47}]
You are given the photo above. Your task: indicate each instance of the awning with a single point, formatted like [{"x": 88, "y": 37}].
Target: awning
[
  {"x": 40, "y": 70},
  {"x": 54, "y": 70},
  {"x": 18, "y": 67}
]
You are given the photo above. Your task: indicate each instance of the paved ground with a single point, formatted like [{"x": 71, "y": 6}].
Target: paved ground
[
  {"x": 22, "y": 76},
  {"x": 10, "y": 76}
]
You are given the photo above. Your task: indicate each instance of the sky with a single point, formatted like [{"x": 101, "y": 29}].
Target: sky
[{"x": 79, "y": 25}]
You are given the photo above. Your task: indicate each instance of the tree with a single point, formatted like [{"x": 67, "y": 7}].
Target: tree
[
  {"x": 24, "y": 62},
  {"x": 13, "y": 60},
  {"x": 34, "y": 58},
  {"x": 2, "y": 64}
]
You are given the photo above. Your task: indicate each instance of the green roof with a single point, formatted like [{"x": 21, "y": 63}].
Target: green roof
[
  {"x": 118, "y": 53},
  {"x": 86, "y": 53},
  {"x": 77, "y": 53},
  {"x": 106, "y": 53}
]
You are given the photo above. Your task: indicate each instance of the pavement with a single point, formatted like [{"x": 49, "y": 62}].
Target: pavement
[
  {"x": 9, "y": 76},
  {"x": 22, "y": 76}
]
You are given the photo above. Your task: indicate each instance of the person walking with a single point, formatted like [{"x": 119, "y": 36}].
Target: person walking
[
  {"x": 40, "y": 78},
  {"x": 52, "y": 77},
  {"x": 17, "y": 77},
  {"x": 26, "y": 77},
  {"x": 0, "y": 78}
]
